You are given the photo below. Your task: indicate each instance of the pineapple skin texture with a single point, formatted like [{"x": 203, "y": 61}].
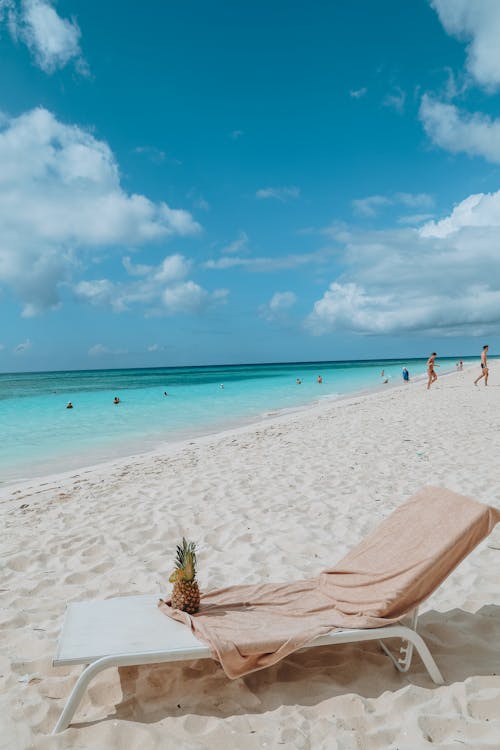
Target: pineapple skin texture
[{"x": 186, "y": 596}]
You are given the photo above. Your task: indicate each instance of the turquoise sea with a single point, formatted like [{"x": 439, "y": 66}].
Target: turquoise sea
[{"x": 41, "y": 436}]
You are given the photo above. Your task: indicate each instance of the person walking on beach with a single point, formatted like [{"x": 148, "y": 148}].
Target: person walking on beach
[
  {"x": 484, "y": 366},
  {"x": 431, "y": 364},
  {"x": 406, "y": 375}
]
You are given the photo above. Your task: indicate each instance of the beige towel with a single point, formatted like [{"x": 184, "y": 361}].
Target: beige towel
[{"x": 394, "y": 569}]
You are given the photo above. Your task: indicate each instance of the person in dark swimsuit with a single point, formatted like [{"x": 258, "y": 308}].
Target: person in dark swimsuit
[{"x": 484, "y": 366}]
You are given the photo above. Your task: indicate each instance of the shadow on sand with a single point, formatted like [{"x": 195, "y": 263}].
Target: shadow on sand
[{"x": 463, "y": 644}]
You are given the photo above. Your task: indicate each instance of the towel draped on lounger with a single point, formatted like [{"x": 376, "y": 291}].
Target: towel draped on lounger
[{"x": 395, "y": 568}]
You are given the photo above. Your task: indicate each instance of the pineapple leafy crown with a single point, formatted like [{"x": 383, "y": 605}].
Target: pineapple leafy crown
[{"x": 185, "y": 562}]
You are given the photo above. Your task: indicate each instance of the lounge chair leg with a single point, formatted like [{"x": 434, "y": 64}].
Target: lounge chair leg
[
  {"x": 427, "y": 658},
  {"x": 415, "y": 640},
  {"x": 88, "y": 674},
  {"x": 79, "y": 689}
]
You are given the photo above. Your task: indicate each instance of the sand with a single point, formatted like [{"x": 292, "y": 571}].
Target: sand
[{"x": 279, "y": 500}]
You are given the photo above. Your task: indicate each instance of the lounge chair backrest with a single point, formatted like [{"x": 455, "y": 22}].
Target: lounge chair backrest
[{"x": 404, "y": 559}]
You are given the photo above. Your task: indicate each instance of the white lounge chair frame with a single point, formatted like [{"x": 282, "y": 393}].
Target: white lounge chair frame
[{"x": 131, "y": 631}]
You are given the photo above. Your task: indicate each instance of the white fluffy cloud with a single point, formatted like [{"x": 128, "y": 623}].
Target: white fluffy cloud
[
  {"x": 53, "y": 41},
  {"x": 161, "y": 289},
  {"x": 480, "y": 210},
  {"x": 60, "y": 201},
  {"x": 190, "y": 297},
  {"x": 347, "y": 306},
  {"x": 186, "y": 297},
  {"x": 457, "y": 131},
  {"x": 282, "y": 300},
  {"x": 278, "y": 305},
  {"x": 351, "y": 307},
  {"x": 443, "y": 279},
  {"x": 282, "y": 194},
  {"x": 100, "y": 292},
  {"x": 172, "y": 268},
  {"x": 478, "y": 22}
]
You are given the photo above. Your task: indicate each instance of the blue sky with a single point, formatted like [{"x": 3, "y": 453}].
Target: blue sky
[{"x": 196, "y": 183}]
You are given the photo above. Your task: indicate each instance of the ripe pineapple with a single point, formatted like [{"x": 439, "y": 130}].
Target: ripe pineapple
[{"x": 186, "y": 594}]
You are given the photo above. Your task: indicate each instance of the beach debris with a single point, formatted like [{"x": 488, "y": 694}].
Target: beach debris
[{"x": 186, "y": 594}]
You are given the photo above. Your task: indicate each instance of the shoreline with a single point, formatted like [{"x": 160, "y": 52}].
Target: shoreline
[{"x": 232, "y": 427}]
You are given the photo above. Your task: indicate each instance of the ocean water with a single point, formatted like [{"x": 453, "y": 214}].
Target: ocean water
[{"x": 40, "y": 436}]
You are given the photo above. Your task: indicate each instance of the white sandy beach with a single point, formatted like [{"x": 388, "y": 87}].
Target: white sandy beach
[{"x": 281, "y": 500}]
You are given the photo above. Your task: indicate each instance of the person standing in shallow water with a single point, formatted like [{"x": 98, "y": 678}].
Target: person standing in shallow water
[
  {"x": 431, "y": 364},
  {"x": 484, "y": 366}
]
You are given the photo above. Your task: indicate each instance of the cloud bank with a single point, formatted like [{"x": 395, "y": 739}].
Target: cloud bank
[{"x": 443, "y": 279}]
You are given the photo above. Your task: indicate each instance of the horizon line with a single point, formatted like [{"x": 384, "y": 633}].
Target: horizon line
[{"x": 237, "y": 364}]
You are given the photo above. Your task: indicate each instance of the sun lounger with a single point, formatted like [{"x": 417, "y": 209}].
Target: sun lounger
[
  {"x": 376, "y": 588},
  {"x": 132, "y": 631}
]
